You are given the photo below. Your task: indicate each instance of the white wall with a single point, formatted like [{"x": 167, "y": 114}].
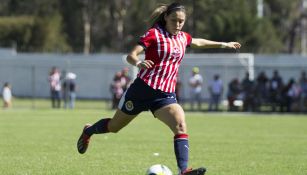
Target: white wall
[{"x": 28, "y": 72}]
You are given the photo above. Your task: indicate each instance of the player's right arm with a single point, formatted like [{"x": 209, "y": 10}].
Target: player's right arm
[{"x": 133, "y": 58}]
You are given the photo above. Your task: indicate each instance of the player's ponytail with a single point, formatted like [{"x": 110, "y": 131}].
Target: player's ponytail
[{"x": 157, "y": 16}]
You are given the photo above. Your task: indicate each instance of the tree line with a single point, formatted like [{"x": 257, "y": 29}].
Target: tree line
[{"x": 94, "y": 26}]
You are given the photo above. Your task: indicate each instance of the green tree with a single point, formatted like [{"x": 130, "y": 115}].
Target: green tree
[
  {"x": 34, "y": 25},
  {"x": 16, "y": 31},
  {"x": 48, "y": 35},
  {"x": 285, "y": 16},
  {"x": 114, "y": 26},
  {"x": 234, "y": 21}
]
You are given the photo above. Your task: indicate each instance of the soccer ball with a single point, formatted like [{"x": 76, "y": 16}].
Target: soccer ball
[{"x": 159, "y": 169}]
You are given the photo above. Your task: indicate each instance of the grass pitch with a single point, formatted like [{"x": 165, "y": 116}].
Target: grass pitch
[{"x": 43, "y": 142}]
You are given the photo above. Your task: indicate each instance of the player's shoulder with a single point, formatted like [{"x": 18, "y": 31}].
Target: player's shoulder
[{"x": 149, "y": 33}]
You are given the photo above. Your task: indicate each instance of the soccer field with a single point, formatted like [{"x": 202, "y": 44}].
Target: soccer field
[{"x": 44, "y": 142}]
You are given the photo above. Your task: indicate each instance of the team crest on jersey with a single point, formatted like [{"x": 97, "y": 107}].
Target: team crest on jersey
[
  {"x": 176, "y": 52},
  {"x": 129, "y": 105}
]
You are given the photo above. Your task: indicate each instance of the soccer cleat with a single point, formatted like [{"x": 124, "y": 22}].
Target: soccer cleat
[
  {"x": 198, "y": 171},
  {"x": 83, "y": 140}
]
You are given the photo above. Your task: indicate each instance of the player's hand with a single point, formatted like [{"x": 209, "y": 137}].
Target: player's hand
[
  {"x": 146, "y": 64},
  {"x": 233, "y": 45}
]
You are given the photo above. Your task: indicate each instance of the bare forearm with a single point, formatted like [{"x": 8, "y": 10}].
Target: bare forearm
[
  {"x": 133, "y": 56},
  {"x": 204, "y": 43},
  {"x": 133, "y": 59}
]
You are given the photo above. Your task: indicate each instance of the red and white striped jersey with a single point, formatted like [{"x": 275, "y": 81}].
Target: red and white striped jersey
[{"x": 166, "y": 51}]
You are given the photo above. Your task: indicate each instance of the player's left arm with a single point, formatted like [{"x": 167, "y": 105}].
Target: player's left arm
[{"x": 204, "y": 43}]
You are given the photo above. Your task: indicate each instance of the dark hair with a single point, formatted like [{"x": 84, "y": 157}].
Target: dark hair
[{"x": 157, "y": 16}]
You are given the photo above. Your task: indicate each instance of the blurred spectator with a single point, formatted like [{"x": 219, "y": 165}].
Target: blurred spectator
[
  {"x": 303, "y": 96},
  {"x": 248, "y": 94},
  {"x": 55, "y": 87},
  {"x": 195, "y": 82},
  {"x": 262, "y": 88},
  {"x": 116, "y": 89},
  {"x": 233, "y": 94},
  {"x": 7, "y": 95},
  {"x": 178, "y": 89},
  {"x": 125, "y": 78},
  {"x": 275, "y": 88},
  {"x": 69, "y": 90},
  {"x": 216, "y": 91},
  {"x": 290, "y": 94}
]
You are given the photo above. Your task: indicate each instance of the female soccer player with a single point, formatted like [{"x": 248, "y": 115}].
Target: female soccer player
[{"x": 153, "y": 89}]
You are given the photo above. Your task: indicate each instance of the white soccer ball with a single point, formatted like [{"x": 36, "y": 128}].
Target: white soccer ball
[{"x": 159, "y": 169}]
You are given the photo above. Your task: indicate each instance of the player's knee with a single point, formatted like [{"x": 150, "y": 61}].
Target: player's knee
[{"x": 181, "y": 127}]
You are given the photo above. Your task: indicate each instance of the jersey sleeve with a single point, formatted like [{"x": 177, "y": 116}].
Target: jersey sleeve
[
  {"x": 147, "y": 39},
  {"x": 189, "y": 39}
]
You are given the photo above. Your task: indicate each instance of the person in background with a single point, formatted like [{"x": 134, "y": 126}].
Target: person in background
[
  {"x": 7, "y": 95},
  {"x": 275, "y": 88},
  {"x": 116, "y": 89},
  {"x": 55, "y": 87},
  {"x": 303, "y": 95},
  {"x": 154, "y": 88},
  {"x": 125, "y": 78},
  {"x": 178, "y": 89},
  {"x": 234, "y": 90},
  {"x": 248, "y": 93},
  {"x": 195, "y": 82},
  {"x": 216, "y": 91},
  {"x": 290, "y": 94},
  {"x": 262, "y": 89},
  {"x": 69, "y": 90}
]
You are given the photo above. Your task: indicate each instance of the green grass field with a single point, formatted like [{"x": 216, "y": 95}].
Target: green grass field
[{"x": 43, "y": 142}]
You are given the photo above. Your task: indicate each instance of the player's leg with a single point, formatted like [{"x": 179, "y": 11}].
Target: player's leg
[
  {"x": 173, "y": 116},
  {"x": 119, "y": 120},
  {"x": 52, "y": 98},
  {"x": 128, "y": 108},
  {"x": 58, "y": 99},
  {"x": 105, "y": 125},
  {"x": 198, "y": 99}
]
